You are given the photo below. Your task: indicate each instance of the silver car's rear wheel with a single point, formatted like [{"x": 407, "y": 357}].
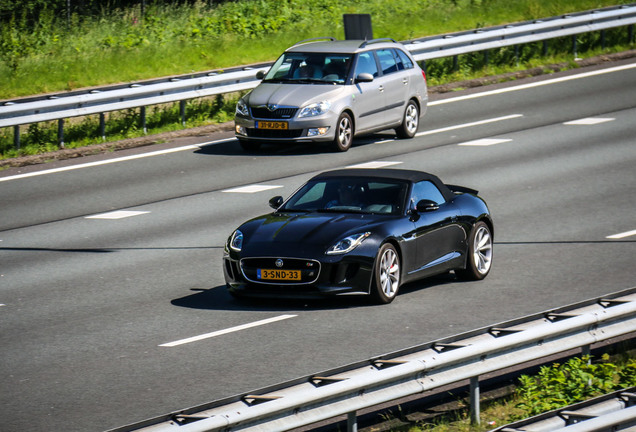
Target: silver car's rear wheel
[
  {"x": 410, "y": 122},
  {"x": 387, "y": 274},
  {"x": 344, "y": 133}
]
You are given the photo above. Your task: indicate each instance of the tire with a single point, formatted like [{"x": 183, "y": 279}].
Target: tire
[
  {"x": 386, "y": 280},
  {"x": 344, "y": 133},
  {"x": 249, "y": 145},
  {"x": 410, "y": 121},
  {"x": 479, "y": 257}
]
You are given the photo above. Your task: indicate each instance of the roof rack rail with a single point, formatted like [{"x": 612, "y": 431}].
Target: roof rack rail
[
  {"x": 331, "y": 38},
  {"x": 367, "y": 42}
]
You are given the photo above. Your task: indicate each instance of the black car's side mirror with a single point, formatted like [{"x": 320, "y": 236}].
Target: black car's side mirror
[
  {"x": 426, "y": 205},
  {"x": 364, "y": 77},
  {"x": 276, "y": 202}
]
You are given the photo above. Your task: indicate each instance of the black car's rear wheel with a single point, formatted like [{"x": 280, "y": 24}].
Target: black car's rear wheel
[
  {"x": 386, "y": 274},
  {"x": 410, "y": 122},
  {"x": 344, "y": 133},
  {"x": 479, "y": 259}
]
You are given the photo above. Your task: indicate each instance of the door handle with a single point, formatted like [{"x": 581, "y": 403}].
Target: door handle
[{"x": 381, "y": 88}]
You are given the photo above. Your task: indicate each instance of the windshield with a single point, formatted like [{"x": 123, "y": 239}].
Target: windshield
[
  {"x": 296, "y": 67},
  {"x": 349, "y": 195}
]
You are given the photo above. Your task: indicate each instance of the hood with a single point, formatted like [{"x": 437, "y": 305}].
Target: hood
[
  {"x": 320, "y": 229},
  {"x": 293, "y": 95}
]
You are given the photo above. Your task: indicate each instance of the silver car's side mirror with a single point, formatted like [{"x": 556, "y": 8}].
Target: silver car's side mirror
[
  {"x": 260, "y": 75},
  {"x": 364, "y": 77}
]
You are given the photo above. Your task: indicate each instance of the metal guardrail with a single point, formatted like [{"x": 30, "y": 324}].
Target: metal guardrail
[
  {"x": 614, "y": 411},
  {"x": 346, "y": 390},
  {"x": 178, "y": 89}
]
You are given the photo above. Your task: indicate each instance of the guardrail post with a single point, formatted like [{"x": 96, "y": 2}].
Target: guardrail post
[
  {"x": 60, "y": 133},
  {"x": 16, "y": 137},
  {"x": 182, "y": 112},
  {"x": 143, "y": 119},
  {"x": 574, "y": 47},
  {"x": 474, "y": 401},
  {"x": 102, "y": 126},
  {"x": 630, "y": 34},
  {"x": 352, "y": 422}
]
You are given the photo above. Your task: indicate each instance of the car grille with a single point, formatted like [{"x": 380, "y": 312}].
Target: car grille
[
  {"x": 274, "y": 133},
  {"x": 309, "y": 269},
  {"x": 262, "y": 112}
]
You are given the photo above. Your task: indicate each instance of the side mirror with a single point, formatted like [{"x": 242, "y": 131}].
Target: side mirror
[
  {"x": 364, "y": 77},
  {"x": 426, "y": 205},
  {"x": 276, "y": 202},
  {"x": 260, "y": 75}
]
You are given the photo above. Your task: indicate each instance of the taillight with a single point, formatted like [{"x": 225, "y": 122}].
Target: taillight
[{"x": 424, "y": 74}]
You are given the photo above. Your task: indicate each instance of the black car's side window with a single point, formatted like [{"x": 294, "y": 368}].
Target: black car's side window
[{"x": 426, "y": 190}]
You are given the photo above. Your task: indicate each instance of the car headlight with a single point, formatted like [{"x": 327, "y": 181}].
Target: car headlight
[
  {"x": 315, "y": 109},
  {"x": 241, "y": 108},
  {"x": 347, "y": 244},
  {"x": 236, "y": 241}
]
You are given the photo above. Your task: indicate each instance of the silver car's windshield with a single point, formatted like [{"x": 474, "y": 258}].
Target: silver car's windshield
[
  {"x": 298, "y": 67},
  {"x": 349, "y": 195}
]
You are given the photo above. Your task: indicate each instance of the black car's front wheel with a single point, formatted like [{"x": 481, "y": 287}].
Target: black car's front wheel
[
  {"x": 344, "y": 133},
  {"x": 479, "y": 259},
  {"x": 410, "y": 121},
  {"x": 386, "y": 274}
]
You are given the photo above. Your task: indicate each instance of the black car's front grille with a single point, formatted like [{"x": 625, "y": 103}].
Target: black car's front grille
[
  {"x": 261, "y": 112},
  {"x": 274, "y": 133},
  {"x": 253, "y": 270}
]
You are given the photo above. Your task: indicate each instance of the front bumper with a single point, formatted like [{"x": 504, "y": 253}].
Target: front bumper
[
  {"x": 311, "y": 129},
  {"x": 337, "y": 275}
]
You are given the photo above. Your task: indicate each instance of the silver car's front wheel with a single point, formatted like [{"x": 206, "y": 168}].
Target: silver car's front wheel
[
  {"x": 387, "y": 274},
  {"x": 344, "y": 133}
]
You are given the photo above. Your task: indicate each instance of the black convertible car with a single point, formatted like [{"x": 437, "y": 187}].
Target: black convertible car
[{"x": 360, "y": 231}]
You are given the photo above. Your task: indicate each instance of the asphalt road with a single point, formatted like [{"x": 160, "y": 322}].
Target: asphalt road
[{"x": 97, "y": 308}]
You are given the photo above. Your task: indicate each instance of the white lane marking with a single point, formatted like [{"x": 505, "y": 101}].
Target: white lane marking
[
  {"x": 226, "y": 331},
  {"x": 252, "y": 188},
  {"x": 484, "y": 142},
  {"x": 622, "y": 235},
  {"x": 110, "y": 161},
  {"x": 120, "y": 214},
  {"x": 374, "y": 164},
  {"x": 534, "y": 84},
  {"x": 589, "y": 121},
  {"x": 465, "y": 125}
]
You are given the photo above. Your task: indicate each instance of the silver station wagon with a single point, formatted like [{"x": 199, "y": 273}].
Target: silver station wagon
[{"x": 326, "y": 90}]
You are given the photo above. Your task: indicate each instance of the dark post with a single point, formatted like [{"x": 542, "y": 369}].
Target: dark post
[
  {"x": 60, "y": 133},
  {"x": 357, "y": 26}
]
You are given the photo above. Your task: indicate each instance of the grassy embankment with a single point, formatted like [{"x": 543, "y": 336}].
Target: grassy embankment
[{"x": 124, "y": 46}]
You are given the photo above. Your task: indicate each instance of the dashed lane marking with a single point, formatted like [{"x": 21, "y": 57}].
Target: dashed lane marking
[
  {"x": 119, "y": 214},
  {"x": 484, "y": 142},
  {"x": 374, "y": 164},
  {"x": 226, "y": 331},
  {"x": 622, "y": 235},
  {"x": 589, "y": 121},
  {"x": 252, "y": 188}
]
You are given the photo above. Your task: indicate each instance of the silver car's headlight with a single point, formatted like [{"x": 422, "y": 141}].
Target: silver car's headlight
[
  {"x": 347, "y": 244},
  {"x": 236, "y": 241},
  {"x": 241, "y": 108},
  {"x": 315, "y": 109}
]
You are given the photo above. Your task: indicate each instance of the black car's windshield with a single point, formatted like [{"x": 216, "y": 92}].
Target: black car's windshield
[
  {"x": 350, "y": 195},
  {"x": 304, "y": 68}
]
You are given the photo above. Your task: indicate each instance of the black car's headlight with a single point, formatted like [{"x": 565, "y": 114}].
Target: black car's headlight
[
  {"x": 242, "y": 109},
  {"x": 236, "y": 241},
  {"x": 347, "y": 244}
]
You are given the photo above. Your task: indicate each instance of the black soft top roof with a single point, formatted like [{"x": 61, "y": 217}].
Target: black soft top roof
[{"x": 411, "y": 176}]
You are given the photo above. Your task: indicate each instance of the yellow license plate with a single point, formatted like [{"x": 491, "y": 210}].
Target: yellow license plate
[
  {"x": 269, "y": 274},
  {"x": 271, "y": 125}
]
